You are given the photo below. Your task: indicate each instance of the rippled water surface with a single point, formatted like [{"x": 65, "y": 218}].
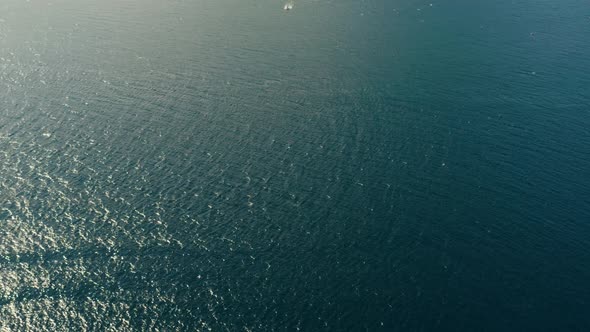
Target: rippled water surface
[{"x": 182, "y": 165}]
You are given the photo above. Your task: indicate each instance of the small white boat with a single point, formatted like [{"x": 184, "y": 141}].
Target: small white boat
[{"x": 288, "y": 6}]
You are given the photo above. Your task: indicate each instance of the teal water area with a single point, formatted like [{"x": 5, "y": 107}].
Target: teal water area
[{"x": 170, "y": 165}]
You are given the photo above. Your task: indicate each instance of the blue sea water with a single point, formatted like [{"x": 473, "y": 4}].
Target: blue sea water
[{"x": 378, "y": 165}]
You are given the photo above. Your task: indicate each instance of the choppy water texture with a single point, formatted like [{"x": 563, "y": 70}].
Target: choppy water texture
[{"x": 345, "y": 165}]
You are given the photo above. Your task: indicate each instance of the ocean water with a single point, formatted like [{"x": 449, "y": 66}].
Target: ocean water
[{"x": 376, "y": 165}]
